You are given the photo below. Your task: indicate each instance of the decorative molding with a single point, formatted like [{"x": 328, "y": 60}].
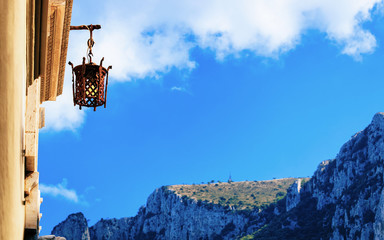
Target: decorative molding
[{"x": 58, "y": 15}]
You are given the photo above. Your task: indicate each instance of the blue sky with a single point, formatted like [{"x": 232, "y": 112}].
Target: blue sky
[{"x": 201, "y": 89}]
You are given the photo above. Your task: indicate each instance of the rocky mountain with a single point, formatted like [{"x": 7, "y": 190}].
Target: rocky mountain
[
  {"x": 75, "y": 227},
  {"x": 343, "y": 200},
  {"x": 203, "y": 211}
]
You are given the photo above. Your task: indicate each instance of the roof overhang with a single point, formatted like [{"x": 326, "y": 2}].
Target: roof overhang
[{"x": 55, "y": 24}]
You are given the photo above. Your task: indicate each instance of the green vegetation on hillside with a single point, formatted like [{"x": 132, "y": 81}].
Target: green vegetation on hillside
[{"x": 242, "y": 195}]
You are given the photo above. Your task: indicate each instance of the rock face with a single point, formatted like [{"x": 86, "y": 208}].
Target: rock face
[
  {"x": 352, "y": 184},
  {"x": 345, "y": 195},
  {"x": 166, "y": 216},
  {"x": 343, "y": 200},
  {"x": 169, "y": 216},
  {"x": 50, "y": 237},
  {"x": 75, "y": 227},
  {"x": 293, "y": 195}
]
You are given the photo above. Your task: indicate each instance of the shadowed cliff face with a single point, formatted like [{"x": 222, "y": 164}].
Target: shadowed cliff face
[
  {"x": 353, "y": 184},
  {"x": 75, "y": 227},
  {"x": 343, "y": 200}
]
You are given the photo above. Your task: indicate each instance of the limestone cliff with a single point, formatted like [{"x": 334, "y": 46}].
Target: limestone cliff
[
  {"x": 172, "y": 217},
  {"x": 293, "y": 195},
  {"x": 75, "y": 227},
  {"x": 169, "y": 216},
  {"x": 352, "y": 184},
  {"x": 343, "y": 200}
]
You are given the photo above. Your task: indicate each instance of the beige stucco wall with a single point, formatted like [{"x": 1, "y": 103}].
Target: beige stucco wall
[{"x": 12, "y": 97}]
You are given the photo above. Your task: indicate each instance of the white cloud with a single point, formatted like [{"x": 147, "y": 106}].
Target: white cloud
[
  {"x": 61, "y": 114},
  {"x": 60, "y": 190},
  {"x": 148, "y": 38}
]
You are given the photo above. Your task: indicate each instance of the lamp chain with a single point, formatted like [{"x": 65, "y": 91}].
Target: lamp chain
[{"x": 90, "y": 44}]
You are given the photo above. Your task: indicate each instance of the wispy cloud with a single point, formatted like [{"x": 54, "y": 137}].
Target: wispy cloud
[
  {"x": 158, "y": 35},
  {"x": 61, "y": 190},
  {"x": 180, "y": 89}
]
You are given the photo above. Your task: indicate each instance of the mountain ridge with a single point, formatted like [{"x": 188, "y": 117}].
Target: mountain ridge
[{"x": 344, "y": 199}]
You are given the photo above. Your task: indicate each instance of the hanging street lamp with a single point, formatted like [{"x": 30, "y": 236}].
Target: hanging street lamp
[{"x": 89, "y": 80}]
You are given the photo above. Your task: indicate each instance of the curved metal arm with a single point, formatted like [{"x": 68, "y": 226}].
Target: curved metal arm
[{"x": 106, "y": 86}]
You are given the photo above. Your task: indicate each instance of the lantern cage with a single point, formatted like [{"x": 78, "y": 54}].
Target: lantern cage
[
  {"x": 90, "y": 84},
  {"x": 89, "y": 80}
]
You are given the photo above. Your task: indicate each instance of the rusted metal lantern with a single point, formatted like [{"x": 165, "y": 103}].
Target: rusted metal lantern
[{"x": 89, "y": 80}]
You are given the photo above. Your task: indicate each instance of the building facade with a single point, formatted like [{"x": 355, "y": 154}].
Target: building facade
[{"x": 33, "y": 49}]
